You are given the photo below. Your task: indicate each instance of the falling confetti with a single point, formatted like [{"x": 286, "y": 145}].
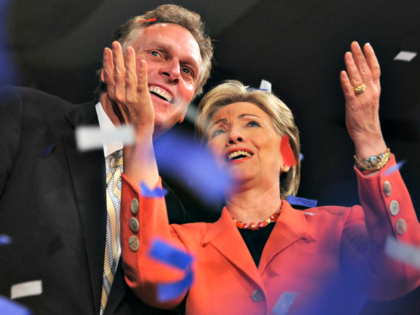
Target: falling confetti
[
  {"x": 156, "y": 193},
  {"x": 168, "y": 254},
  {"x": 283, "y": 303},
  {"x": 395, "y": 167},
  {"x": 265, "y": 86},
  {"x": 12, "y": 308},
  {"x": 174, "y": 257},
  {"x": 90, "y": 138},
  {"x": 5, "y": 239},
  {"x": 170, "y": 291},
  {"x": 180, "y": 158},
  {"x": 297, "y": 201},
  {"x": 26, "y": 289},
  {"x": 405, "y": 56},
  {"x": 402, "y": 252},
  {"x": 46, "y": 151}
]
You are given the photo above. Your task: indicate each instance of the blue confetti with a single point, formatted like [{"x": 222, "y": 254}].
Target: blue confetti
[
  {"x": 297, "y": 201},
  {"x": 170, "y": 291},
  {"x": 301, "y": 156},
  {"x": 148, "y": 193},
  {"x": 184, "y": 161},
  {"x": 395, "y": 167},
  {"x": 168, "y": 254},
  {"x": 10, "y": 307},
  {"x": 5, "y": 240},
  {"x": 283, "y": 303},
  {"x": 9, "y": 74},
  {"x": 46, "y": 151}
]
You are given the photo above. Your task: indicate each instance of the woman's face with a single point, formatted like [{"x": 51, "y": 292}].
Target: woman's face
[{"x": 242, "y": 138}]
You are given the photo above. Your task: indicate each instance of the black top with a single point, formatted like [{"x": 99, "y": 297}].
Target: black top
[{"x": 255, "y": 241}]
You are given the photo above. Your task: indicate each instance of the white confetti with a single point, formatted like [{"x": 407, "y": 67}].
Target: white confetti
[
  {"x": 402, "y": 252},
  {"x": 89, "y": 138},
  {"x": 265, "y": 85},
  {"x": 26, "y": 289},
  {"x": 283, "y": 303},
  {"x": 405, "y": 56}
]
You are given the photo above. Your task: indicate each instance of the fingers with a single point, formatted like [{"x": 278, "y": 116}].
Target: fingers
[
  {"x": 130, "y": 76},
  {"x": 119, "y": 72},
  {"x": 108, "y": 72},
  {"x": 352, "y": 70},
  {"x": 373, "y": 63},
  {"x": 347, "y": 87},
  {"x": 142, "y": 81}
]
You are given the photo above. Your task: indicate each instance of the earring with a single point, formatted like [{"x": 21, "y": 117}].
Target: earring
[{"x": 285, "y": 169}]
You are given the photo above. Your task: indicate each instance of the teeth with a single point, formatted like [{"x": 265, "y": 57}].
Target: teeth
[
  {"x": 236, "y": 153},
  {"x": 160, "y": 92}
]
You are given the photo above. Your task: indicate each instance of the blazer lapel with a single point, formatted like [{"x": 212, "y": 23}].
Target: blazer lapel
[
  {"x": 88, "y": 173},
  {"x": 290, "y": 227},
  {"x": 225, "y": 237}
]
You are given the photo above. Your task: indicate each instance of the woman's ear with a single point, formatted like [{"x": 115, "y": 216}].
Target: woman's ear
[{"x": 284, "y": 169}]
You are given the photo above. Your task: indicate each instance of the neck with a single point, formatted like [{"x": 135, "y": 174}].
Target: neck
[
  {"x": 253, "y": 204},
  {"x": 109, "y": 110}
]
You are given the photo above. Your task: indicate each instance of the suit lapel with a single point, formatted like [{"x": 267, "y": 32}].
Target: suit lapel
[
  {"x": 290, "y": 227},
  {"x": 225, "y": 237},
  {"x": 88, "y": 174}
]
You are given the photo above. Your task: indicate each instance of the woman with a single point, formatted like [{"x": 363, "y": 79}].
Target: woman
[{"x": 332, "y": 257}]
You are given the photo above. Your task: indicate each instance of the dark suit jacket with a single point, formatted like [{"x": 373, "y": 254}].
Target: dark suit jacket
[{"x": 53, "y": 206}]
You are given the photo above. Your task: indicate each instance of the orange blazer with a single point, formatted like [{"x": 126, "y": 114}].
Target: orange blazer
[{"x": 331, "y": 256}]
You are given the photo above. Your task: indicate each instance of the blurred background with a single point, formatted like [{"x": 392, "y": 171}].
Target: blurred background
[{"x": 299, "y": 46}]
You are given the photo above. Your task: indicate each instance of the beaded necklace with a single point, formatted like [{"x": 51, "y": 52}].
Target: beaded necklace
[{"x": 253, "y": 226}]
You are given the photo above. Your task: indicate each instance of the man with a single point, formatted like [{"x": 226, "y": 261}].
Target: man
[{"x": 54, "y": 200}]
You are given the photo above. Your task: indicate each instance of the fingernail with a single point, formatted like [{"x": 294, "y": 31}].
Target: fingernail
[
  {"x": 128, "y": 50},
  {"x": 357, "y": 45}
]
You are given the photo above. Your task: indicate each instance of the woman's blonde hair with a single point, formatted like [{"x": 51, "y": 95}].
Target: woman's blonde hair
[{"x": 233, "y": 92}]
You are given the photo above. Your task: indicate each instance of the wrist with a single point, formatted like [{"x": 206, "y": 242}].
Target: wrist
[{"x": 366, "y": 150}]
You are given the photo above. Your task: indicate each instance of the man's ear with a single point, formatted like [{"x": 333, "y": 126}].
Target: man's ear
[{"x": 102, "y": 76}]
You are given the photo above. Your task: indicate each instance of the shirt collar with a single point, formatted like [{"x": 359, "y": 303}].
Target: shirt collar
[{"x": 106, "y": 124}]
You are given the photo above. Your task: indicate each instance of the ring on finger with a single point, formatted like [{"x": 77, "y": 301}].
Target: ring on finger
[{"x": 359, "y": 89}]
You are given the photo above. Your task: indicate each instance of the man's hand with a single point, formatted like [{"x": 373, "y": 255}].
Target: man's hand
[
  {"x": 362, "y": 110},
  {"x": 127, "y": 90}
]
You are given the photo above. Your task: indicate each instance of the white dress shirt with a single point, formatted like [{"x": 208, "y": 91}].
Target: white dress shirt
[{"x": 109, "y": 148}]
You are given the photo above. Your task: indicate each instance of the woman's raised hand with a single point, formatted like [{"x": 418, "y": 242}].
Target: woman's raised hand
[
  {"x": 362, "y": 107},
  {"x": 128, "y": 90}
]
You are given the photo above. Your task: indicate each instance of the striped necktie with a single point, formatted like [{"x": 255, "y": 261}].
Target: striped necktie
[{"x": 112, "y": 245}]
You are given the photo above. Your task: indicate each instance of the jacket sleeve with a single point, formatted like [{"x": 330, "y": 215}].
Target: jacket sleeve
[
  {"x": 142, "y": 273},
  {"x": 386, "y": 210},
  {"x": 10, "y": 132}
]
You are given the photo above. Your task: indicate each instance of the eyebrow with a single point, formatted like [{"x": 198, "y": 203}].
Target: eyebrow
[
  {"x": 224, "y": 120},
  {"x": 165, "y": 46}
]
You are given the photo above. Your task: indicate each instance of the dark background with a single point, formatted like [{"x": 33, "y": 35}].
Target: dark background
[{"x": 299, "y": 46}]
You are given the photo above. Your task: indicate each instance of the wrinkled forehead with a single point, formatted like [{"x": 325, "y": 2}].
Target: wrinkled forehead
[
  {"x": 238, "y": 111},
  {"x": 169, "y": 34}
]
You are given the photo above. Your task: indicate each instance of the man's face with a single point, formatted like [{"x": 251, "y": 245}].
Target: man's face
[{"x": 174, "y": 63}]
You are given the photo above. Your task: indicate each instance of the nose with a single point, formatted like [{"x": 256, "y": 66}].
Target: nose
[
  {"x": 171, "y": 69},
  {"x": 235, "y": 137}
]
